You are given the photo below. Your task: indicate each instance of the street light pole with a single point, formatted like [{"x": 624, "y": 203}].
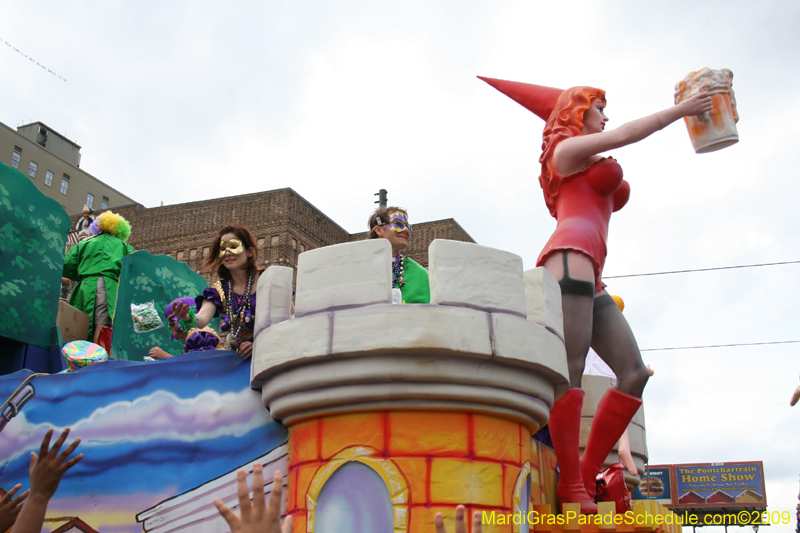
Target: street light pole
[{"x": 381, "y": 201}]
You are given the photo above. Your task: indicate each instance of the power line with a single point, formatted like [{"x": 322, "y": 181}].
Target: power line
[
  {"x": 717, "y": 346},
  {"x": 700, "y": 270},
  {"x": 707, "y": 270}
]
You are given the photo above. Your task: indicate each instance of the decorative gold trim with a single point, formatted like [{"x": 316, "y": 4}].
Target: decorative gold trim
[
  {"x": 385, "y": 468},
  {"x": 223, "y": 300}
]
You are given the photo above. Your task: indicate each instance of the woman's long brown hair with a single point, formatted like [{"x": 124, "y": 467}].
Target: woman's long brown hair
[{"x": 214, "y": 261}]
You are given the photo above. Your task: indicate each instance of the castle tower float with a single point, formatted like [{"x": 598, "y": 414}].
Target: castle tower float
[{"x": 397, "y": 412}]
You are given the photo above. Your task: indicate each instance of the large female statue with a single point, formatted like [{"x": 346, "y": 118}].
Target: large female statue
[{"x": 582, "y": 189}]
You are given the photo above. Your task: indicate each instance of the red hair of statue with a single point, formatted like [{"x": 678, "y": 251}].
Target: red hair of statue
[{"x": 565, "y": 121}]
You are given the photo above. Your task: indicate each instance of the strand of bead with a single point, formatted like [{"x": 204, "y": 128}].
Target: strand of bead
[
  {"x": 397, "y": 271},
  {"x": 238, "y": 316}
]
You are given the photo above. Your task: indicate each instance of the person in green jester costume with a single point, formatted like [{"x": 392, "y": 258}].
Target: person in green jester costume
[
  {"x": 95, "y": 263},
  {"x": 391, "y": 223}
]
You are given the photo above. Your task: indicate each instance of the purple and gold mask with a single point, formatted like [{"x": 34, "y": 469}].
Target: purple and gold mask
[
  {"x": 233, "y": 246},
  {"x": 398, "y": 222}
]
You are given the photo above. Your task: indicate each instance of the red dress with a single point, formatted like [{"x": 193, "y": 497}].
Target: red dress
[{"x": 584, "y": 205}]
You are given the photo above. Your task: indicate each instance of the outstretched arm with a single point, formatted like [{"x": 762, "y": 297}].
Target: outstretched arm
[
  {"x": 204, "y": 315},
  {"x": 46, "y": 471},
  {"x": 581, "y": 147},
  {"x": 625, "y": 453}
]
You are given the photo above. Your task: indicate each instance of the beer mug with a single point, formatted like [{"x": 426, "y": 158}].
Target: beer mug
[{"x": 715, "y": 130}]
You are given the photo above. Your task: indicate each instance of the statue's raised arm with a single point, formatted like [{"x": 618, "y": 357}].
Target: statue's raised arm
[{"x": 574, "y": 153}]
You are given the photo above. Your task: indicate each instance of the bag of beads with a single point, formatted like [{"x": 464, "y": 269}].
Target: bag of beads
[{"x": 145, "y": 317}]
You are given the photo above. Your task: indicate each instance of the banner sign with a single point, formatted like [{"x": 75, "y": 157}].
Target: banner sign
[
  {"x": 704, "y": 485},
  {"x": 720, "y": 484}
]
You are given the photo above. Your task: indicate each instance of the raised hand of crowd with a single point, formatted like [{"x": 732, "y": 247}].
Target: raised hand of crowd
[
  {"x": 461, "y": 521},
  {"x": 257, "y": 517},
  {"x": 46, "y": 470},
  {"x": 10, "y": 507}
]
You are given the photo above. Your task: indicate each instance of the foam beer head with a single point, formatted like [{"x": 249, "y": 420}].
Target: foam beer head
[{"x": 715, "y": 130}]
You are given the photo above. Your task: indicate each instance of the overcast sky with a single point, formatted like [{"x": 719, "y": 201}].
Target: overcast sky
[{"x": 181, "y": 101}]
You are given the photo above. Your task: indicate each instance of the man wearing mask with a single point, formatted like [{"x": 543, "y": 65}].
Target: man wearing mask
[{"x": 391, "y": 223}]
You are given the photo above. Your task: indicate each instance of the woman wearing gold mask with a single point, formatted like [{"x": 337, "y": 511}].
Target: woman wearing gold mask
[{"x": 233, "y": 254}]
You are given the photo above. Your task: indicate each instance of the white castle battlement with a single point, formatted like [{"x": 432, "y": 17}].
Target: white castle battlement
[{"x": 490, "y": 340}]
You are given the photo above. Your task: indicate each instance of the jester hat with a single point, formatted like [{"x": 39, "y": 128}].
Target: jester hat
[{"x": 536, "y": 98}]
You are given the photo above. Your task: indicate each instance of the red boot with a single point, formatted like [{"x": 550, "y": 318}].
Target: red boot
[
  {"x": 565, "y": 428},
  {"x": 614, "y": 413}
]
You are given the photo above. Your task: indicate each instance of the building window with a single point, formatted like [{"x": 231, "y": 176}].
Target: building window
[
  {"x": 64, "y": 185},
  {"x": 89, "y": 200},
  {"x": 104, "y": 203},
  {"x": 32, "y": 169},
  {"x": 15, "y": 159},
  {"x": 48, "y": 178}
]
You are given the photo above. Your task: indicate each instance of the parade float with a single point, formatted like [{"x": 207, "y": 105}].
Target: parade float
[{"x": 380, "y": 415}]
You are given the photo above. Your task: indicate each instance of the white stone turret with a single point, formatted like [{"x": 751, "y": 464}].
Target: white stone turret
[{"x": 490, "y": 341}]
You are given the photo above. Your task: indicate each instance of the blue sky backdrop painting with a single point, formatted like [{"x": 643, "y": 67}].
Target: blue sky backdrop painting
[{"x": 149, "y": 431}]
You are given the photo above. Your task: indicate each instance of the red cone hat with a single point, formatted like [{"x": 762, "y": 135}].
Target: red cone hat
[{"x": 537, "y": 98}]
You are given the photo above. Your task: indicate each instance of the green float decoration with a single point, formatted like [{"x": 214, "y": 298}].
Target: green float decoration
[
  {"x": 158, "y": 278},
  {"x": 33, "y": 236}
]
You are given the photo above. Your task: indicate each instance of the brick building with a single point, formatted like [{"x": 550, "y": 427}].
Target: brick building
[
  {"x": 52, "y": 162},
  {"x": 284, "y": 224}
]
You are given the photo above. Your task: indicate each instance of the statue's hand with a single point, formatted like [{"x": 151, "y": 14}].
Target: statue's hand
[{"x": 696, "y": 105}]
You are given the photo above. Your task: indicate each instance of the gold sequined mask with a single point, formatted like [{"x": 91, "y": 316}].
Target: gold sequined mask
[{"x": 233, "y": 246}]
